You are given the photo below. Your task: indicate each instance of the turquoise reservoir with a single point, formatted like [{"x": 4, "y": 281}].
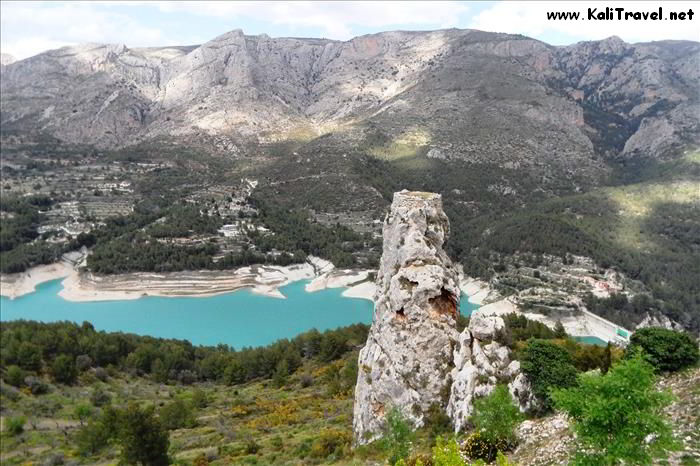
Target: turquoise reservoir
[
  {"x": 239, "y": 319},
  {"x": 591, "y": 341}
]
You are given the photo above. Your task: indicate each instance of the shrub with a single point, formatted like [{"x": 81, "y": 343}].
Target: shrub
[
  {"x": 101, "y": 374},
  {"x": 63, "y": 369},
  {"x": 496, "y": 417},
  {"x": 304, "y": 448},
  {"x": 251, "y": 446},
  {"x": 446, "y": 453},
  {"x": 330, "y": 442},
  {"x": 306, "y": 380},
  {"x": 398, "y": 436},
  {"x": 83, "y": 362},
  {"x": 200, "y": 399},
  {"x": 36, "y": 385},
  {"x": 614, "y": 415},
  {"x": 547, "y": 366},
  {"x": 177, "y": 415},
  {"x": 8, "y": 392},
  {"x": 15, "y": 425},
  {"x": 99, "y": 397},
  {"x": 478, "y": 446},
  {"x": 14, "y": 376},
  {"x": 142, "y": 437},
  {"x": 666, "y": 350},
  {"x": 419, "y": 460},
  {"x": 437, "y": 420},
  {"x": 277, "y": 442}
]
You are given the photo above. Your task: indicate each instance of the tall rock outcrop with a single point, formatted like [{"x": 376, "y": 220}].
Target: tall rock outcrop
[
  {"x": 407, "y": 360},
  {"x": 480, "y": 363},
  {"x": 414, "y": 356}
]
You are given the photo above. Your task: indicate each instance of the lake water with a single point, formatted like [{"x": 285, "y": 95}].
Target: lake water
[
  {"x": 592, "y": 341},
  {"x": 241, "y": 318}
]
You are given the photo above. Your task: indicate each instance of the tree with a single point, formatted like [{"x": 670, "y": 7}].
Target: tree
[
  {"x": 547, "y": 366},
  {"x": 615, "y": 415},
  {"x": 14, "y": 376},
  {"x": 98, "y": 433},
  {"x": 63, "y": 369},
  {"x": 279, "y": 378},
  {"x": 496, "y": 417},
  {"x": 607, "y": 359},
  {"x": 177, "y": 415},
  {"x": 666, "y": 350},
  {"x": 83, "y": 412},
  {"x": 559, "y": 330},
  {"x": 143, "y": 438},
  {"x": 333, "y": 345},
  {"x": 159, "y": 371},
  {"x": 398, "y": 435},
  {"x": 29, "y": 356}
]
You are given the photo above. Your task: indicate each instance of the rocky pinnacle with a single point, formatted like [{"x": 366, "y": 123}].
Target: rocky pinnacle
[
  {"x": 414, "y": 359},
  {"x": 407, "y": 360}
]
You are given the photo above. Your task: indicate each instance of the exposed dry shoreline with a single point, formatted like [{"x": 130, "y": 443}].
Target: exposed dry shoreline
[
  {"x": 18, "y": 284},
  {"x": 266, "y": 280},
  {"x": 580, "y": 324}
]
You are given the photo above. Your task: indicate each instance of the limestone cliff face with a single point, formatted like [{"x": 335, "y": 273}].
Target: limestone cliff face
[
  {"x": 408, "y": 356},
  {"x": 414, "y": 356},
  {"x": 462, "y": 94}
]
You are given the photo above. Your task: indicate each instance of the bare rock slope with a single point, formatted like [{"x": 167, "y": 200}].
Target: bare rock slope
[{"x": 450, "y": 94}]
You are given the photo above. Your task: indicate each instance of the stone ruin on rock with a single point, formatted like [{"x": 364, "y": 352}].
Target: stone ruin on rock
[{"x": 414, "y": 356}]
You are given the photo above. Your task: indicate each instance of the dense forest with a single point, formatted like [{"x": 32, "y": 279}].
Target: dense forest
[
  {"x": 64, "y": 348},
  {"x": 20, "y": 243}
]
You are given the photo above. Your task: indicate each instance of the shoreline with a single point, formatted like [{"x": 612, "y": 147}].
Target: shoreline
[
  {"x": 82, "y": 286},
  {"x": 15, "y": 285}
]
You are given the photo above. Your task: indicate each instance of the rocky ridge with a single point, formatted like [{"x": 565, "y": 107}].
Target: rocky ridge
[{"x": 449, "y": 94}]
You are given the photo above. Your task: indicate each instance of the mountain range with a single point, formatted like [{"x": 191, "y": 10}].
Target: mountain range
[{"x": 451, "y": 94}]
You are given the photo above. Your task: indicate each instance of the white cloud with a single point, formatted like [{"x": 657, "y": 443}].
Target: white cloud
[
  {"x": 32, "y": 27},
  {"x": 530, "y": 19},
  {"x": 28, "y": 28},
  {"x": 337, "y": 20}
]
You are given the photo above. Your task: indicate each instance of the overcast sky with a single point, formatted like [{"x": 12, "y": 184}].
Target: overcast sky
[{"x": 28, "y": 28}]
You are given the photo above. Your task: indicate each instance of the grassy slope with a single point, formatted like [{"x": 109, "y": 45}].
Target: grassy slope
[{"x": 284, "y": 422}]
